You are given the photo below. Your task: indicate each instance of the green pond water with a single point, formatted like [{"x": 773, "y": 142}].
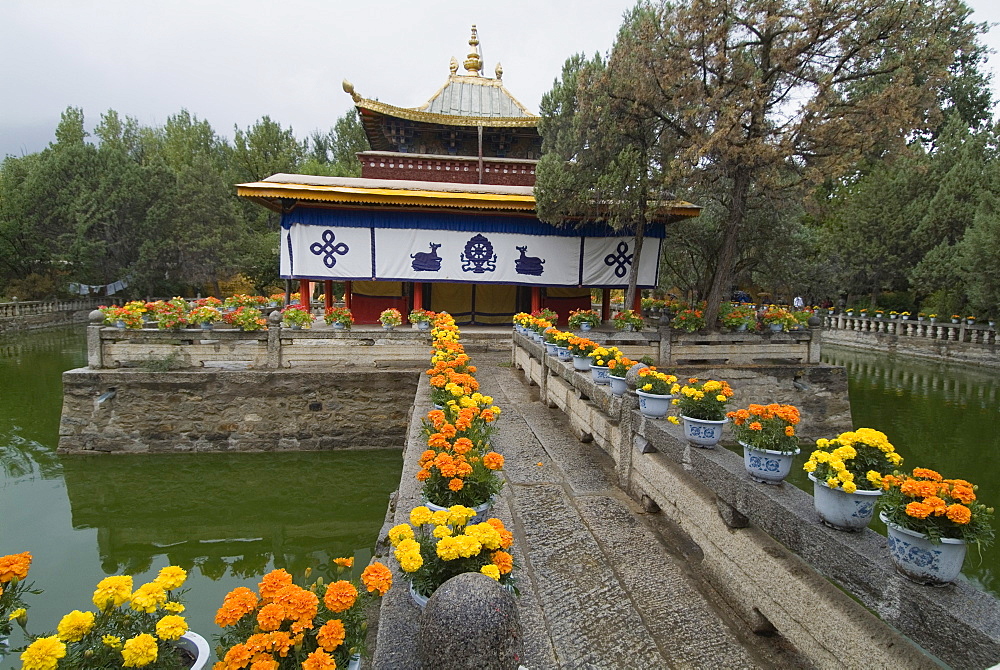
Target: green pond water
[{"x": 226, "y": 518}]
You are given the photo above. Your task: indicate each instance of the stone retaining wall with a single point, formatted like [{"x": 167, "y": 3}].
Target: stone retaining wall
[
  {"x": 983, "y": 351},
  {"x": 763, "y": 547},
  {"x": 226, "y": 410}
]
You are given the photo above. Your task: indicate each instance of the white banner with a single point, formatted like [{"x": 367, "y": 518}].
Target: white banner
[{"x": 422, "y": 255}]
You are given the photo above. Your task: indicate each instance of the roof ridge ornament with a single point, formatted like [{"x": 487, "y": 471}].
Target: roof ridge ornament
[
  {"x": 499, "y": 71},
  {"x": 473, "y": 63},
  {"x": 453, "y": 66}
]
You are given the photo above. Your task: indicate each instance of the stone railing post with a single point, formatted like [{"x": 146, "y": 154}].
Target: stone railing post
[
  {"x": 95, "y": 350},
  {"x": 274, "y": 339}
]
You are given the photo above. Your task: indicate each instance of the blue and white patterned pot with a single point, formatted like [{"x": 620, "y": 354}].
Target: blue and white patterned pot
[
  {"x": 922, "y": 561},
  {"x": 564, "y": 354},
  {"x": 841, "y": 510},
  {"x": 702, "y": 432},
  {"x": 652, "y": 405},
  {"x": 551, "y": 349},
  {"x": 600, "y": 374},
  {"x": 581, "y": 363},
  {"x": 767, "y": 466},
  {"x": 618, "y": 385}
]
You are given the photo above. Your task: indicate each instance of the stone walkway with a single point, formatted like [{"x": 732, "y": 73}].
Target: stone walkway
[{"x": 603, "y": 585}]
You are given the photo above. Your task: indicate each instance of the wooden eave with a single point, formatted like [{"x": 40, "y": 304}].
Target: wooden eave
[{"x": 448, "y": 119}]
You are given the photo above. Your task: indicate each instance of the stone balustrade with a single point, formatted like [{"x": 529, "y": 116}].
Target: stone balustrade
[
  {"x": 961, "y": 342},
  {"x": 763, "y": 548},
  {"x": 32, "y": 307}
]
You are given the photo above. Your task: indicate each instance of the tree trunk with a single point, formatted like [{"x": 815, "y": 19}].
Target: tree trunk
[
  {"x": 724, "y": 268},
  {"x": 633, "y": 277}
]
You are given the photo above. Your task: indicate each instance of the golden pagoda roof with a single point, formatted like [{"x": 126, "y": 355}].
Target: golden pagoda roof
[{"x": 463, "y": 100}]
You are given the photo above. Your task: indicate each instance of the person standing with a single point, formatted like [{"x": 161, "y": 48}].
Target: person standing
[{"x": 798, "y": 303}]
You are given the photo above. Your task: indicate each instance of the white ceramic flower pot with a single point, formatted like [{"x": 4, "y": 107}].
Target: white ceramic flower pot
[
  {"x": 563, "y": 354},
  {"x": 418, "y": 599},
  {"x": 197, "y": 646},
  {"x": 585, "y": 326},
  {"x": 421, "y": 325},
  {"x": 482, "y": 511},
  {"x": 551, "y": 349},
  {"x": 922, "y": 561},
  {"x": 600, "y": 374},
  {"x": 841, "y": 510},
  {"x": 618, "y": 385},
  {"x": 653, "y": 405},
  {"x": 702, "y": 432},
  {"x": 581, "y": 363},
  {"x": 767, "y": 466}
]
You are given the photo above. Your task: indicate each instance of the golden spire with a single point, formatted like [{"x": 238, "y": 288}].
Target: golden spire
[{"x": 473, "y": 63}]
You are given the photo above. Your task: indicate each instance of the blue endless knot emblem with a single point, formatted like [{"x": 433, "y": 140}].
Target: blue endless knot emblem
[
  {"x": 328, "y": 248},
  {"x": 478, "y": 256},
  {"x": 620, "y": 260}
]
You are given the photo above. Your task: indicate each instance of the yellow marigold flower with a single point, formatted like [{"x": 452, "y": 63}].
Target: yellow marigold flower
[
  {"x": 720, "y": 398},
  {"x": 377, "y": 577},
  {"x": 833, "y": 482},
  {"x": 399, "y": 533},
  {"x": 148, "y": 597},
  {"x": 809, "y": 466},
  {"x": 420, "y": 515},
  {"x": 75, "y": 625},
  {"x": 875, "y": 478},
  {"x": 850, "y": 487},
  {"x": 821, "y": 456},
  {"x": 441, "y": 531},
  {"x": 139, "y": 651},
  {"x": 459, "y": 515},
  {"x": 712, "y": 385},
  {"x": 43, "y": 654},
  {"x": 673, "y": 419},
  {"x": 173, "y": 607},
  {"x": 485, "y": 534},
  {"x": 171, "y": 627},
  {"x": 440, "y": 517},
  {"x": 491, "y": 571},
  {"x": 171, "y": 577},
  {"x": 331, "y": 634},
  {"x": 19, "y": 613},
  {"x": 448, "y": 548},
  {"x": 410, "y": 561},
  {"x": 112, "y": 641},
  {"x": 340, "y": 596},
  {"x": 113, "y": 591},
  {"x": 836, "y": 464}
]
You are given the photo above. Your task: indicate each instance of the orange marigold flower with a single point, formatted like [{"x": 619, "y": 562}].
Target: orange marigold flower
[
  {"x": 238, "y": 656},
  {"x": 340, "y": 596},
  {"x": 919, "y": 510},
  {"x": 963, "y": 494},
  {"x": 319, "y": 660},
  {"x": 448, "y": 430},
  {"x": 504, "y": 561},
  {"x": 493, "y": 460},
  {"x": 281, "y": 642},
  {"x": 270, "y": 617},
  {"x": 959, "y": 514},
  {"x": 344, "y": 562},
  {"x": 438, "y": 441},
  {"x": 936, "y": 504},
  {"x": 427, "y": 456},
  {"x": 437, "y": 418},
  {"x": 300, "y": 604},
  {"x": 14, "y": 565},
  {"x": 463, "y": 445},
  {"x": 926, "y": 473},
  {"x": 455, "y": 484},
  {"x": 790, "y": 431},
  {"x": 488, "y": 416},
  {"x": 238, "y": 602},
  {"x": 377, "y": 577},
  {"x": 755, "y": 425},
  {"x": 423, "y": 475},
  {"x": 331, "y": 634},
  {"x": 264, "y": 662},
  {"x": 273, "y": 582}
]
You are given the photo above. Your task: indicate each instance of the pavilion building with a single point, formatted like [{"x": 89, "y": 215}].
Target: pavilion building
[{"x": 443, "y": 215}]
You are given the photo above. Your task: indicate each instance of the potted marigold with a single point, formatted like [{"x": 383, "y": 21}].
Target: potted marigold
[
  {"x": 688, "y": 319},
  {"x": 702, "y": 407},
  {"x": 580, "y": 348},
  {"x": 930, "y": 522},
  {"x": 338, "y": 317},
  {"x": 390, "y": 318},
  {"x": 628, "y": 320},
  {"x": 246, "y": 318},
  {"x": 458, "y": 467},
  {"x": 546, "y": 314},
  {"x": 599, "y": 359},
  {"x": 436, "y": 546},
  {"x": 618, "y": 367},
  {"x": 583, "y": 319},
  {"x": 767, "y": 434},
  {"x": 847, "y": 476},
  {"x": 421, "y": 318},
  {"x": 140, "y": 628},
  {"x": 779, "y": 319},
  {"x": 287, "y": 626},
  {"x": 737, "y": 317},
  {"x": 296, "y": 316},
  {"x": 205, "y": 315},
  {"x": 654, "y": 391}
]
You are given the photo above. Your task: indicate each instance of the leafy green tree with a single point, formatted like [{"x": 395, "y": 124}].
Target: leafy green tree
[
  {"x": 777, "y": 95},
  {"x": 266, "y": 148},
  {"x": 334, "y": 153}
]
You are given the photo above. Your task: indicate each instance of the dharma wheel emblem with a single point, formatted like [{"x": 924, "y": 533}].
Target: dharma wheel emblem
[{"x": 478, "y": 256}]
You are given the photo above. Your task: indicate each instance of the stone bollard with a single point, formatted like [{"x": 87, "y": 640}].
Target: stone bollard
[{"x": 470, "y": 623}]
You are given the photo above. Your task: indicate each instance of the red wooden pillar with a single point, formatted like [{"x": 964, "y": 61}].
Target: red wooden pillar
[
  {"x": 536, "y": 299},
  {"x": 347, "y": 294},
  {"x": 305, "y": 293},
  {"x": 328, "y": 294},
  {"x": 637, "y": 302},
  {"x": 418, "y": 295},
  {"x": 605, "y": 304}
]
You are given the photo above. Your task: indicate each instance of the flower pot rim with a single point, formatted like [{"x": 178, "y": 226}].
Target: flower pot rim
[
  {"x": 616, "y": 376},
  {"x": 773, "y": 452},
  {"x": 647, "y": 394},
  {"x": 864, "y": 492},
  {"x": 691, "y": 418},
  {"x": 916, "y": 533}
]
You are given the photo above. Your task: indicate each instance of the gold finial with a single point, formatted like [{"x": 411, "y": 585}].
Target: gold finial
[
  {"x": 499, "y": 71},
  {"x": 349, "y": 88},
  {"x": 453, "y": 65},
  {"x": 473, "y": 63}
]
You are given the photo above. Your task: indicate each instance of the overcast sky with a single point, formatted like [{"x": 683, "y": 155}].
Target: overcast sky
[{"x": 232, "y": 62}]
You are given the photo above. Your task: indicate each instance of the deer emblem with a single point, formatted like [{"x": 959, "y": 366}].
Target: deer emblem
[
  {"x": 426, "y": 261},
  {"x": 528, "y": 265}
]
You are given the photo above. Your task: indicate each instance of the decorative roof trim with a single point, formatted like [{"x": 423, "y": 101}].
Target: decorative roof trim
[
  {"x": 385, "y": 196},
  {"x": 447, "y": 119}
]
